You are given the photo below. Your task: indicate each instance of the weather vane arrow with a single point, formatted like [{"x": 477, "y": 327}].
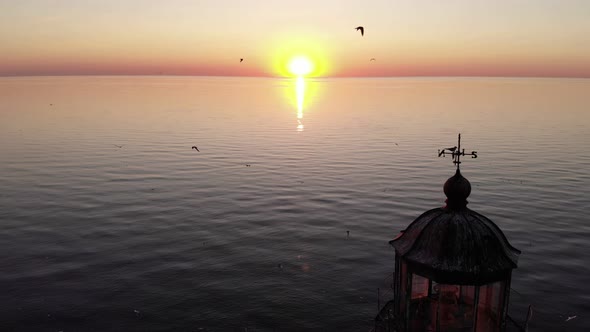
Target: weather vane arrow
[{"x": 456, "y": 153}]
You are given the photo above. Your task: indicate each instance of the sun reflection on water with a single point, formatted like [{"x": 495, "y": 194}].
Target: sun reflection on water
[{"x": 300, "y": 92}]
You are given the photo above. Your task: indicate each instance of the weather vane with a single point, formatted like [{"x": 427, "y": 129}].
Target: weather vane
[{"x": 456, "y": 153}]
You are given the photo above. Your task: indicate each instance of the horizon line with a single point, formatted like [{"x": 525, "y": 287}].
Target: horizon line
[{"x": 289, "y": 77}]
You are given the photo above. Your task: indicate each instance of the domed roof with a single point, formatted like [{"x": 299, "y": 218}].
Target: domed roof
[{"x": 455, "y": 244}]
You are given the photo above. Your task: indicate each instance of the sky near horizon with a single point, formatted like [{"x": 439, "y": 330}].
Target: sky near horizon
[{"x": 208, "y": 37}]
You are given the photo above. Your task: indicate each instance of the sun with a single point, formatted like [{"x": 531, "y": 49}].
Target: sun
[{"x": 300, "y": 66}]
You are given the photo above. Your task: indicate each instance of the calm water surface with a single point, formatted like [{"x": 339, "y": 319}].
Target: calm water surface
[{"x": 111, "y": 222}]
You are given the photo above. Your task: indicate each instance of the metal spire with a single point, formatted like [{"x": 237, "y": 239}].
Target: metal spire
[{"x": 456, "y": 153}]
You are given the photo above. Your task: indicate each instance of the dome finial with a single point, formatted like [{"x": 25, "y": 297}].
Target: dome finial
[{"x": 457, "y": 188}]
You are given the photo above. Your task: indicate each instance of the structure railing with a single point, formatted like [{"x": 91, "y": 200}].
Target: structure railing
[{"x": 385, "y": 295}]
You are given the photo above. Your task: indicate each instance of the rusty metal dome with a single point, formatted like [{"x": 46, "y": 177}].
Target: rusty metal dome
[{"x": 455, "y": 244}]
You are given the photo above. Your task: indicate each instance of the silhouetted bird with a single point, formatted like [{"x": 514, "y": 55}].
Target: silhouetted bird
[
  {"x": 372, "y": 59},
  {"x": 196, "y": 148},
  {"x": 347, "y": 234},
  {"x": 119, "y": 146},
  {"x": 280, "y": 266},
  {"x": 241, "y": 59},
  {"x": 452, "y": 149},
  {"x": 361, "y": 29},
  {"x": 248, "y": 165}
]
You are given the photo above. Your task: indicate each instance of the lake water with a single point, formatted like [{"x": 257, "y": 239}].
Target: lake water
[{"x": 111, "y": 222}]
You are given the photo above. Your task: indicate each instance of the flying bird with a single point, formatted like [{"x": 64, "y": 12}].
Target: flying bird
[
  {"x": 241, "y": 59},
  {"x": 119, "y": 146},
  {"x": 361, "y": 29},
  {"x": 372, "y": 59},
  {"x": 196, "y": 148}
]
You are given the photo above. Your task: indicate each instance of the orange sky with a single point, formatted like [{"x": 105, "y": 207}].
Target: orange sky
[{"x": 208, "y": 37}]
